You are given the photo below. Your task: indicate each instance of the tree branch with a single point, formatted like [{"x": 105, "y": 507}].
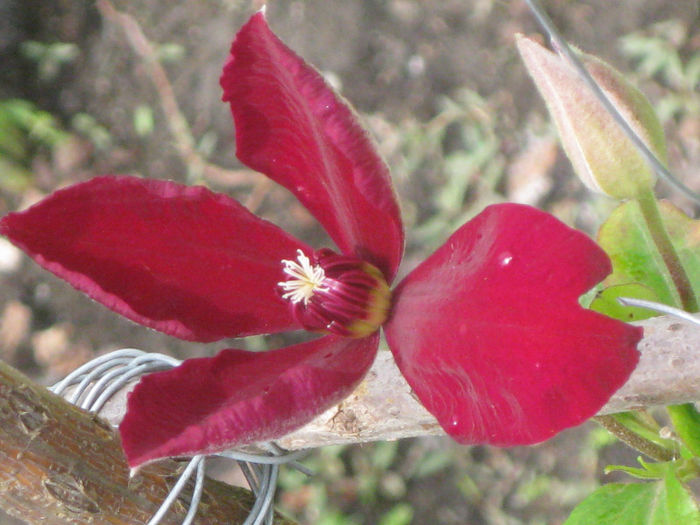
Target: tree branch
[
  {"x": 62, "y": 465},
  {"x": 384, "y": 408}
]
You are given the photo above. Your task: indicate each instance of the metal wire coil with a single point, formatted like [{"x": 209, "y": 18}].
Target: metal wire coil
[{"x": 95, "y": 382}]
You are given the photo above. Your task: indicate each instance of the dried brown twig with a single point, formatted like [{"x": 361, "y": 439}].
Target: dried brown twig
[{"x": 177, "y": 123}]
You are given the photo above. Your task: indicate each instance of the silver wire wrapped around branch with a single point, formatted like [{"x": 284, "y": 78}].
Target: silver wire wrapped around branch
[{"x": 95, "y": 384}]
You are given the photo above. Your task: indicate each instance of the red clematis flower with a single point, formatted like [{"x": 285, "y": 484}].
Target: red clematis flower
[{"x": 487, "y": 331}]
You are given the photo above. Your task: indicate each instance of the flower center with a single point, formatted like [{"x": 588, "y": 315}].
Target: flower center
[
  {"x": 303, "y": 279},
  {"x": 333, "y": 293}
]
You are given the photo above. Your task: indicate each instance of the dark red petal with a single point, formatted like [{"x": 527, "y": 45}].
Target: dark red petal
[
  {"x": 292, "y": 127},
  {"x": 183, "y": 260},
  {"x": 211, "y": 404},
  {"x": 489, "y": 333}
]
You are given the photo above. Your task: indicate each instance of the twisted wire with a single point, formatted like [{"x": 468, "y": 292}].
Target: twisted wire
[{"x": 91, "y": 385}]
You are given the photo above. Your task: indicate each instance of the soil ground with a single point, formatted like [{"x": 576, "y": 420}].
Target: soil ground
[{"x": 454, "y": 113}]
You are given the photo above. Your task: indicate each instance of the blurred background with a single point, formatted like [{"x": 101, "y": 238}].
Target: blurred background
[{"x": 85, "y": 91}]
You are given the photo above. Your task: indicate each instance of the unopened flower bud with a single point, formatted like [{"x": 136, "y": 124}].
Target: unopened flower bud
[{"x": 602, "y": 155}]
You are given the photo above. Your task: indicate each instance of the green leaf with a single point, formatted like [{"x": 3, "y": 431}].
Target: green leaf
[
  {"x": 680, "y": 504},
  {"x": 664, "y": 502},
  {"x": 383, "y": 454},
  {"x": 13, "y": 177},
  {"x": 143, "y": 120},
  {"x": 635, "y": 472},
  {"x": 432, "y": 462},
  {"x": 13, "y": 140},
  {"x": 626, "y": 239},
  {"x": 643, "y": 424},
  {"x": 686, "y": 421},
  {"x": 606, "y": 302},
  {"x": 170, "y": 53},
  {"x": 336, "y": 518},
  {"x": 400, "y": 514},
  {"x": 648, "y": 470}
]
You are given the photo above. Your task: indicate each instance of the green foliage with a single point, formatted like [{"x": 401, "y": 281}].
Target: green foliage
[
  {"x": 375, "y": 476},
  {"x": 462, "y": 144},
  {"x": 606, "y": 302},
  {"x": 536, "y": 487},
  {"x": 170, "y": 53},
  {"x": 647, "y": 470},
  {"x": 663, "y": 502},
  {"x": 49, "y": 57},
  {"x": 401, "y": 514},
  {"x": 24, "y": 130},
  {"x": 143, "y": 120},
  {"x": 686, "y": 421},
  {"x": 431, "y": 463},
  {"x": 656, "y": 51},
  {"x": 644, "y": 425},
  {"x": 88, "y": 126},
  {"x": 599, "y": 438},
  {"x": 655, "y": 252},
  {"x": 626, "y": 238}
]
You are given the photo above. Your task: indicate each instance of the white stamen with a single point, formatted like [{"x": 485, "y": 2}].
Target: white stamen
[{"x": 305, "y": 279}]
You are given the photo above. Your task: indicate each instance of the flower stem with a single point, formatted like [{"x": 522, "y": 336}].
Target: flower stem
[
  {"x": 681, "y": 282},
  {"x": 633, "y": 439},
  {"x": 686, "y": 422},
  {"x": 643, "y": 424},
  {"x": 685, "y": 417}
]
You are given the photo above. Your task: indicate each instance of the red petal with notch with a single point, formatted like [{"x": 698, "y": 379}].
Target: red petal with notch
[
  {"x": 238, "y": 397},
  {"x": 183, "y": 260},
  {"x": 292, "y": 127},
  {"x": 489, "y": 333}
]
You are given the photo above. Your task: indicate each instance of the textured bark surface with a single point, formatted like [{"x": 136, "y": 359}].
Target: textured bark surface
[
  {"x": 62, "y": 465},
  {"x": 384, "y": 408}
]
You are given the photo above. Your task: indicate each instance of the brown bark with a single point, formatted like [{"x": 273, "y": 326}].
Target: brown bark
[
  {"x": 383, "y": 406},
  {"x": 62, "y": 465}
]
